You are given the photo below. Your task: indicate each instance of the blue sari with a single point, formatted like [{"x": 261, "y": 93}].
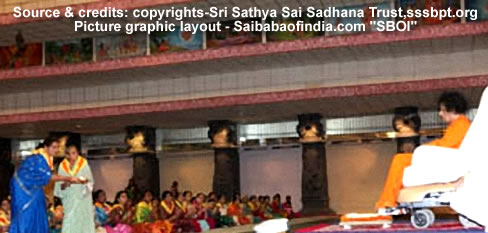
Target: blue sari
[{"x": 29, "y": 213}]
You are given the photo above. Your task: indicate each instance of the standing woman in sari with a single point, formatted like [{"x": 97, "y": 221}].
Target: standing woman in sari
[
  {"x": 77, "y": 200},
  {"x": 29, "y": 213}
]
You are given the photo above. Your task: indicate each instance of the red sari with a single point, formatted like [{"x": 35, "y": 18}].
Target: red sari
[
  {"x": 235, "y": 210},
  {"x": 277, "y": 209},
  {"x": 176, "y": 213},
  {"x": 201, "y": 220}
]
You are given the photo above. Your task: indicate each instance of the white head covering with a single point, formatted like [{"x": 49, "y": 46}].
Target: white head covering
[{"x": 272, "y": 226}]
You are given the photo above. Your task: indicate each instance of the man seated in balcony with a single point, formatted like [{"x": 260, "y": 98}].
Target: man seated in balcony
[{"x": 452, "y": 107}]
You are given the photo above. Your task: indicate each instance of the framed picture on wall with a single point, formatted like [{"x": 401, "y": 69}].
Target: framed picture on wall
[
  {"x": 69, "y": 51},
  {"x": 295, "y": 35},
  {"x": 229, "y": 37},
  {"x": 174, "y": 41},
  {"x": 120, "y": 46},
  {"x": 14, "y": 56},
  {"x": 481, "y": 6}
]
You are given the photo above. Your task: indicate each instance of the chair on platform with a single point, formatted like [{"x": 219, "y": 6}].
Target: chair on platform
[{"x": 429, "y": 181}]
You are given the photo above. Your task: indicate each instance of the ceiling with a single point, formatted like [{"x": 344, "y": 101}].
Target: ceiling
[{"x": 258, "y": 113}]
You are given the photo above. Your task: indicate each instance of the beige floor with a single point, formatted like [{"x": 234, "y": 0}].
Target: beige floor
[{"x": 302, "y": 222}]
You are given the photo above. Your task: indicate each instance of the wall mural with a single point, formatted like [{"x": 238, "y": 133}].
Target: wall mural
[
  {"x": 229, "y": 37},
  {"x": 119, "y": 46},
  {"x": 177, "y": 40},
  {"x": 295, "y": 35},
  {"x": 481, "y": 6},
  {"x": 69, "y": 51},
  {"x": 21, "y": 54}
]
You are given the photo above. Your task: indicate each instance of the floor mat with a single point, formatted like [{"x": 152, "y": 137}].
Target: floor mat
[{"x": 447, "y": 226}]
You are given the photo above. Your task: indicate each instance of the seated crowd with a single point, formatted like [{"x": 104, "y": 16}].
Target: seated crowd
[
  {"x": 174, "y": 212},
  {"x": 185, "y": 212}
]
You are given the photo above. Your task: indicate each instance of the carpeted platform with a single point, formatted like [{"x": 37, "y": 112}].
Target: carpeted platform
[{"x": 442, "y": 226}]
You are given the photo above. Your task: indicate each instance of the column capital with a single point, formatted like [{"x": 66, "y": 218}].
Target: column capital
[
  {"x": 222, "y": 133},
  {"x": 310, "y": 128},
  {"x": 406, "y": 124},
  {"x": 140, "y": 139}
]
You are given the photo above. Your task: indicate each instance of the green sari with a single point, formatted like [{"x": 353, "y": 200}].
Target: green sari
[
  {"x": 76, "y": 198},
  {"x": 143, "y": 213}
]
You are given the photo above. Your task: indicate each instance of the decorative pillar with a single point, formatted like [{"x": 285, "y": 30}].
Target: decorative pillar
[
  {"x": 406, "y": 124},
  {"x": 142, "y": 145},
  {"x": 315, "y": 193},
  {"x": 6, "y": 167},
  {"x": 226, "y": 180}
]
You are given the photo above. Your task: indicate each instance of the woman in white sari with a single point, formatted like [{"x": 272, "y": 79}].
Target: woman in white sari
[{"x": 76, "y": 198}]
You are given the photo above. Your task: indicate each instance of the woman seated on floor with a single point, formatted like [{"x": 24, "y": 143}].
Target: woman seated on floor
[
  {"x": 183, "y": 221},
  {"x": 277, "y": 208},
  {"x": 236, "y": 211},
  {"x": 148, "y": 216},
  {"x": 223, "y": 219},
  {"x": 254, "y": 207},
  {"x": 201, "y": 221},
  {"x": 121, "y": 215},
  {"x": 288, "y": 208},
  {"x": 102, "y": 209},
  {"x": 212, "y": 210},
  {"x": 143, "y": 213},
  {"x": 4, "y": 215},
  {"x": 180, "y": 202},
  {"x": 246, "y": 210},
  {"x": 56, "y": 215},
  {"x": 265, "y": 211}
]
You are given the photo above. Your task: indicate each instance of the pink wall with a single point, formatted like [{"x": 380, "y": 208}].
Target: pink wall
[
  {"x": 356, "y": 173},
  {"x": 267, "y": 172},
  {"x": 111, "y": 175}
]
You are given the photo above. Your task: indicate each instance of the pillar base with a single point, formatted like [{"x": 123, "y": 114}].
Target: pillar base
[{"x": 317, "y": 207}]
